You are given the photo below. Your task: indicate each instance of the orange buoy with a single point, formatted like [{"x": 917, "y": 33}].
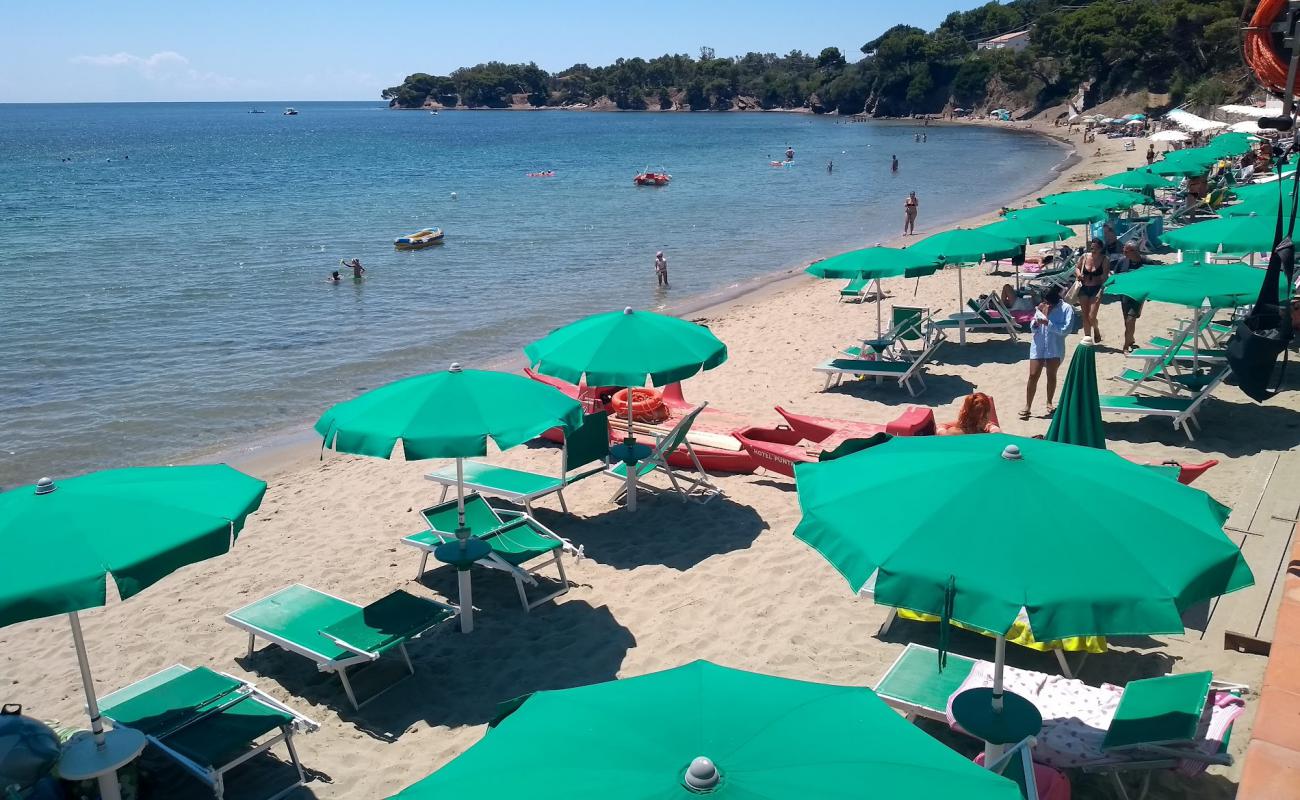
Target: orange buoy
[
  {"x": 1269, "y": 66},
  {"x": 647, "y": 405}
]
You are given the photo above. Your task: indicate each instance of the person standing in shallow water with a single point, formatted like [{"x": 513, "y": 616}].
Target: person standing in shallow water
[
  {"x": 661, "y": 269},
  {"x": 893, "y": 167},
  {"x": 910, "y": 206}
]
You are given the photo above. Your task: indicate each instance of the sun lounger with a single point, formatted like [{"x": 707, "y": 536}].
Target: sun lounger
[
  {"x": 336, "y": 634},
  {"x": 986, "y": 315},
  {"x": 208, "y": 722},
  {"x": 689, "y": 487},
  {"x": 517, "y": 541},
  {"x": 1182, "y": 410},
  {"x": 1159, "y": 368},
  {"x": 908, "y": 324},
  {"x": 855, "y": 289},
  {"x": 587, "y": 446},
  {"x": 1173, "y": 722},
  {"x": 902, "y": 371}
]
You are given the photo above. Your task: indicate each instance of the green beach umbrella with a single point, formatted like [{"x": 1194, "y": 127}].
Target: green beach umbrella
[
  {"x": 967, "y": 246},
  {"x": 703, "y": 729},
  {"x": 1258, "y": 205},
  {"x": 1191, "y": 284},
  {"x": 1137, "y": 180},
  {"x": 1098, "y": 198},
  {"x": 1249, "y": 234},
  {"x": 449, "y": 414},
  {"x": 1231, "y": 144},
  {"x": 1061, "y": 213},
  {"x": 1262, "y": 191},
  {"x": 61, "y": 543},
  {"x": 1080, "y": 573},
  {"x": 1077, "y": 419},
  {"x": 1185, "y": 163},
  {"x": 627, "y": 348},
  {"x": 1029, "y": 231},
  {"x": 875, "y": 263}
]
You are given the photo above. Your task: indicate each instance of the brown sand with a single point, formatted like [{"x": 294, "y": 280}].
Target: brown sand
[{"x": 724, "y": 581}]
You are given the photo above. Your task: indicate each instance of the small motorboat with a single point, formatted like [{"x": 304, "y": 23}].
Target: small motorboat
[
  {"x": 803, "y": 439},
  {"x": 433, "y": 113},
  {"x": 648, "y": 177},
  {"x": 291, "y": 112},
  {"x": 419, "y": 239}
]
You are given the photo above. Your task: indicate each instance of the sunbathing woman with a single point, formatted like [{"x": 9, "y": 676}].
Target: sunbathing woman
[{"x": 977, "y": 415}]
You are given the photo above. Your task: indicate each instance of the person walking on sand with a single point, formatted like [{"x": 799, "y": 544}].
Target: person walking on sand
[
  {"x": 1053, "y": 319},
  {"x": 355, "y": 266},
  {"x": 894, "y": 166},
  {"x": 910, "y": 206},
  {"x": 1151, "y": 154},
  {"x": 1091, "y": 273},
  {"x": 661, "y": 269}
]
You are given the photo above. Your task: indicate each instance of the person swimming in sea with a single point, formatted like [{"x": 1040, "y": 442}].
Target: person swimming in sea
[
  {"x": 355, "y": 266},
  {"x": 334, "y": 277},
  {"x": 789, "y": 153}
]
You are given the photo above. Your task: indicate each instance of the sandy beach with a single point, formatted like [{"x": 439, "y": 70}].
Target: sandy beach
[{"x": 725, "y": 581}]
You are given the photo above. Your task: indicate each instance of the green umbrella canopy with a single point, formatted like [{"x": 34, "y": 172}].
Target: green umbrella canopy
[
  {"x": 1258, "y": 205},
  {"x": 967, "y": 246},
  {"x": 1078, "y": 414},
  {"x": 1060, "y": 213},
  {"x": 1262, "y": 191},
  {"x": 627, "y": 348},
  {"x": 1191, "y": 284},
  {"x": 1233, "y": 143},
  {"x": 1228, "y": 234},
  {"x": 1138, "y": 180},
  {"x": 767, "y": 737},
  {"x": 874, "y": 263},
  {"x": 447, "y": 414},
  {"x": 1028, "y": 230},
  {"x": 1076, "y": 572},
  {"x": 1184, "y": 163},
  {"x": 60, "y": 546},
  {"x": 1099, "y": 198}
]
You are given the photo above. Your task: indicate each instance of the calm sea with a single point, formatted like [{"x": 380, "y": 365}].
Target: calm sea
[{"x": 162, "y": 268}]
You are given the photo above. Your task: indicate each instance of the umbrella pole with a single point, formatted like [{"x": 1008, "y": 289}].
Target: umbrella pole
[
  {"x": 992, "y": 752},
  {"x": 961, "y": 309},
  {"x": 628, "y": 461},
  {"x": 108, "y": 785},
  {"x": 464, "y": 589},
  {"x": 879, "y": 300}
]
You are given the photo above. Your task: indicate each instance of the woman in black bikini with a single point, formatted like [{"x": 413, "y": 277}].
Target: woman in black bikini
[{"x": 1091, "y": 273}]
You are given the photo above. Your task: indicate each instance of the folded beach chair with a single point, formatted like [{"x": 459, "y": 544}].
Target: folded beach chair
[
  {"x": 1182, "y": 410},
  {"x": 336, "y": 634},
  {"x": 585, "y": 452},
  {"x": 208, "y": 722},
  {"x": 855, "y": 289},
  {"x": 986, "y": 315},
  {"x": 517, "y": 541},
  {"x": 690, "y": 487},
  {"x": 908, "y": 324},
  {"x": 903, "y": 371}
]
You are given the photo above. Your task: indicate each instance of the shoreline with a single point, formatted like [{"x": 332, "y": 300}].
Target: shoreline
[{"x": 281, "y": 449}]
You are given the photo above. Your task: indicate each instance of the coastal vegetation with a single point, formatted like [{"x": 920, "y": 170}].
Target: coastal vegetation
[{"x": 1187, "y": 50}]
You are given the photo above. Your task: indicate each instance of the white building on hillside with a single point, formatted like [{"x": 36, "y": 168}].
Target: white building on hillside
[{"x": 1018, "y": 40}]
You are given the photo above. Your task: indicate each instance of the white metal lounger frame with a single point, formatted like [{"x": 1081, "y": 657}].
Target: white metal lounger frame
[
  {"x": 1184, "y": 418},
  {"x": 215, "y": 776},
  {"x": 323, "y": 662},
  {"x": 913, "y": 372},
  {"x": 493, "y": 561},
  {"x": 697, "y": 488},
  {"x": 524, "y": 498},
  {"x": 981, "y": 322}
]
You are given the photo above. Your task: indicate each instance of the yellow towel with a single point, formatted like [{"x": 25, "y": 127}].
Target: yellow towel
[{"x": 1021, "y": 635}]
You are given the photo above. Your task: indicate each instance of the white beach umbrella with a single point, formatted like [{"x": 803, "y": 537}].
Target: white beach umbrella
[
  {"x": 1254, "y": 112},
  {"x": 1245, "y": 126},
  {"x": 1170, "y": 136}
]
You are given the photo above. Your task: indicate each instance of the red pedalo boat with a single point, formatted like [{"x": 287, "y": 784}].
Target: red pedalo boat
[
  {"x": 803, "y": 438},
  {"x": 649, "y": 178}
]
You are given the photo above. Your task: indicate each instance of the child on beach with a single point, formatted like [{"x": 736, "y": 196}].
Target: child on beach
[{"x": 1052, "y": 321}]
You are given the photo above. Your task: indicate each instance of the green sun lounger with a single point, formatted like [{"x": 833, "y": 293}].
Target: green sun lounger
[
  {"x": 583, "y": 448},
  {"x": 1181, "y": 410},
  {"x": 336, "y": 634},
  {"x": 517, "y": 541},
  {"x": 914, "y": 684},
  {"x": 903, "y": 371},
  {"x": 856, "y": 288},
  {"x": 695, "y": 486},
  {"x": 987, "y": 315},
  {"x": 208, "y": 722},
  {"x": 907, "y": 324}
]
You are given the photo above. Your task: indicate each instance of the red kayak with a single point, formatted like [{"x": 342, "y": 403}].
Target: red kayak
[
  {"x": 804, "y": 438},
  {"x": 712, "y": 435}
]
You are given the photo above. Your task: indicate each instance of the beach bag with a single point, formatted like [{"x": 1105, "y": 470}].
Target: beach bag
[{"x": 1264, "y": 333}]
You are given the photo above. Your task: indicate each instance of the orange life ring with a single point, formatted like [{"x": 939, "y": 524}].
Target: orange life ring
[
  {"x": 647, "y": 405},
  {"x": 1267, "y": 64}
]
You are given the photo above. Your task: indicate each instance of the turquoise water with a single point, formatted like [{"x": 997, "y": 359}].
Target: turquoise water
[{"x": 164, "y": 289}]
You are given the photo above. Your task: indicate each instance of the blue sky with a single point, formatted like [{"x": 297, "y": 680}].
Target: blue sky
[{"x": 91, "y": 50}]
